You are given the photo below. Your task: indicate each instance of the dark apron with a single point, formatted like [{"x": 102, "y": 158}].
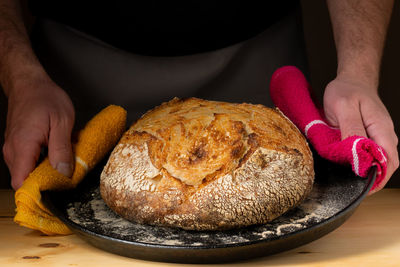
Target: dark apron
[{"x": 95, "y": 74}]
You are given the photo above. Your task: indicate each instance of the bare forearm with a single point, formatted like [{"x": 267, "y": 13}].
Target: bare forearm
[
  {"x": 359, "y": 28},
  {"x": 17, "y": 60}
]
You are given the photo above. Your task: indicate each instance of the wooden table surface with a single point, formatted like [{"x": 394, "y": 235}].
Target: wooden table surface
[{"x": 371, "y": 237}]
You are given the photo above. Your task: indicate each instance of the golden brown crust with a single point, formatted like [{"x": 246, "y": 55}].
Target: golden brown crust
[{"x": 206, "y": 165}]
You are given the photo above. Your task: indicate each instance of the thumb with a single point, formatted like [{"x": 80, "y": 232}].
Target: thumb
[
  {"x": 350, "y": 121},
  {"x": 60, "y": 148}
]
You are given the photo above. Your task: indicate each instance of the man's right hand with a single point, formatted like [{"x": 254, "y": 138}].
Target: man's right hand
[{"x": 39, "y": 114}]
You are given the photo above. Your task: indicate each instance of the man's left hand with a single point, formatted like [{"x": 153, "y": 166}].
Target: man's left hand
[{"x": 356, "y": 109}]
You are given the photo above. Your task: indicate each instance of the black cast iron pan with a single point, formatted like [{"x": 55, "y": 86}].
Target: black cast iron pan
[{"x": 336, "y": 194}]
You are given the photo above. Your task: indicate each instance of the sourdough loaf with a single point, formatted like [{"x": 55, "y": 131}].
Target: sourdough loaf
[{"x": 207, "y": 165}]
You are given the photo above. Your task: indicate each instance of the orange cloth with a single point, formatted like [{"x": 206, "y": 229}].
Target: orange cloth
[{"x": 97, "y": 138}]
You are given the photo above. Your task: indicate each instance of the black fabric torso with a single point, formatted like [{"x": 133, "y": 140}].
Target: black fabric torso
[{"x": 166, "y": 28}]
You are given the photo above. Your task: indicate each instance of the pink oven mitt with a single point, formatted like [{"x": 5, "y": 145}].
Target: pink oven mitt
[{"x": 289, "y": 91}]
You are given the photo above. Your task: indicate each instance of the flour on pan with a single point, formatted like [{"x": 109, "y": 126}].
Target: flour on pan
[{"x": 322, "y": 203}]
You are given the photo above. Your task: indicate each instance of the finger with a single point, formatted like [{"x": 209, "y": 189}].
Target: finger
[
  {"x": 7, "y": 154},
  {"x": 350, "y": 121},
  {"x": 60, "y": 148},
  {"x": 23, "y": 162},
  {"x": 387, "y": 139}
]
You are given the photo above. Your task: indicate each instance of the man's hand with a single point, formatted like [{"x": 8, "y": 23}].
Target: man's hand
[
  {"x": 351, "y": 101},
  {"x": 39, "y": 112},
  {"x": 42, "y": 115},
  {"x": 355, "y": 107}
]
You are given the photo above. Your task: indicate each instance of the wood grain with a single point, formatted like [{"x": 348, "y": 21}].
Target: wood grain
[{"x": 371, "y": 237}]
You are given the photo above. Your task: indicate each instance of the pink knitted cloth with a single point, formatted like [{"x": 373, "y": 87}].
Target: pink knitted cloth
[{"x": 290, "y": 93}]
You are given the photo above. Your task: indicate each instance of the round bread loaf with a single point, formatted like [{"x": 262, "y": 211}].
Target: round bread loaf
[{"x": 207, "y": 165}]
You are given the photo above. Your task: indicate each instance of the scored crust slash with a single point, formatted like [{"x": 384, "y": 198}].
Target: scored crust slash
[{"x": 208, "y": 165}]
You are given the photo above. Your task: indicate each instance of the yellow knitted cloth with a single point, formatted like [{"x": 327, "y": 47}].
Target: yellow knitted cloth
[{"x": 97, "y": 138}]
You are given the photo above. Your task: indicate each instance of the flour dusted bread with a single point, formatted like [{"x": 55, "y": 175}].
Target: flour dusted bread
[{"x": 206, "y": 165}]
